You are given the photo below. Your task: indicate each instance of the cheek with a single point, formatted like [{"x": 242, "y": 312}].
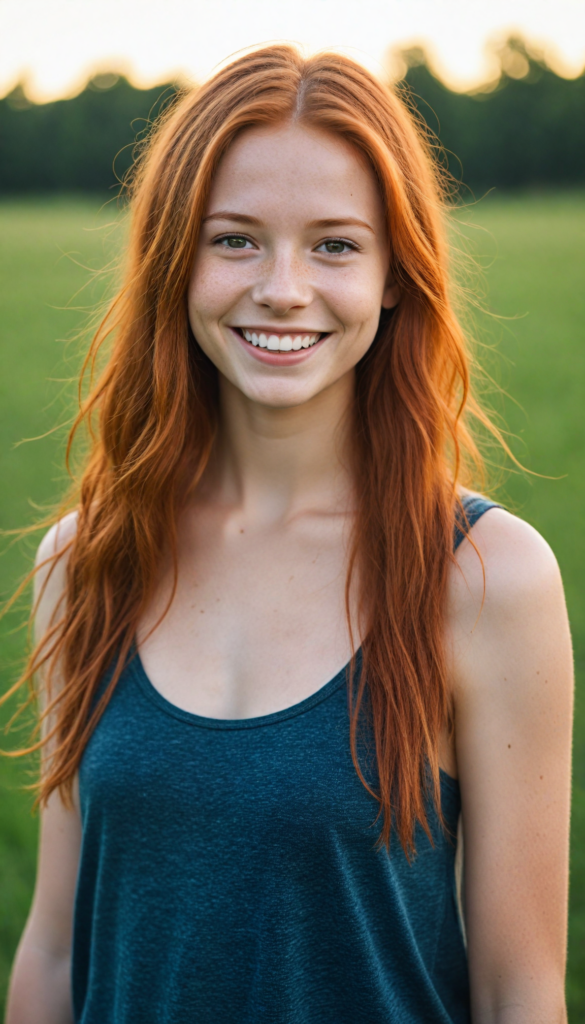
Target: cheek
[
  {"x": 211, "y": 291},
  {"x": 357, "y": 298}
]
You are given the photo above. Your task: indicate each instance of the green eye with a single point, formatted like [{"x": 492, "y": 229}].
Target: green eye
[
  {"x": 235, "y": 242},
  {"x": 336, "y": 246}
]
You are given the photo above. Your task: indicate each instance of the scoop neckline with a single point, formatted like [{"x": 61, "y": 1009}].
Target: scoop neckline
[
  {"x": 149, "y": 690},
  {"x": 140, "y": 676}
]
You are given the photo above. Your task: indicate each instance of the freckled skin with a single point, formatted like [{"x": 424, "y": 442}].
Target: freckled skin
[
  {"x": 288, "y": 179},
  {"x": 270, "y": 525}
]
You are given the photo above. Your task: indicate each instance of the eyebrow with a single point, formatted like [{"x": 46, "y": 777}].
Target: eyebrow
[
  {"x": 328, "y": 222},
  {"x": 338, "y": 222},
  {"x": 243, "y": 218}
]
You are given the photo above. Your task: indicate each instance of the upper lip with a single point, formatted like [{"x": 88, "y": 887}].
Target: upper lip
[{"x": 282, "y": 331}]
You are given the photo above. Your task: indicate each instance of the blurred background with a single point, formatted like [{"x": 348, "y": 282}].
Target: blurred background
[{"x": 501, "y": 87}]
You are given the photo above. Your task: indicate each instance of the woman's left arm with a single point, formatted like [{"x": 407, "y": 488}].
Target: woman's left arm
[{"x": 511, "y": 665}]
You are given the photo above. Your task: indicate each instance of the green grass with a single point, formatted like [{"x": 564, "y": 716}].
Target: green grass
[
  {"x": 44, "y": 248},
  {"x": 535, "y": 262},
  {"x": 533, "y": 250}
]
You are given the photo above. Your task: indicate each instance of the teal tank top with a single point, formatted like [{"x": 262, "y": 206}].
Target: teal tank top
[{"x": 229, "y": 874}]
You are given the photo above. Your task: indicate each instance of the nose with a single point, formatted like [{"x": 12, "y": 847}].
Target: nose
[{"x": 283, "y": 284}]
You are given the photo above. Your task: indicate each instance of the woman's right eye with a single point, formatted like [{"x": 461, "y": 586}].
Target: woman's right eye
[{"x": 234, "y": 242}]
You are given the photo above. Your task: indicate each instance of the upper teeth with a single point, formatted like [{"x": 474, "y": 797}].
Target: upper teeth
[{"x": 284, "y": 343}]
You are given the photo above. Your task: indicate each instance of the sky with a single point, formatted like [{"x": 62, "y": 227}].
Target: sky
[{"x": 55, "y": 45}]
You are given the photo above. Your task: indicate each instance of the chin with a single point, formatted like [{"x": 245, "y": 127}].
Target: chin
[{"x": 280, "y": 394}]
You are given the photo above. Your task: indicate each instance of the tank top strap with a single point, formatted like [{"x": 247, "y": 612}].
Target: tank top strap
[{"x": 473, "y": 508}]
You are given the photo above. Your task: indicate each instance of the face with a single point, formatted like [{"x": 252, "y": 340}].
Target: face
[{"x": 291, "y": 269}]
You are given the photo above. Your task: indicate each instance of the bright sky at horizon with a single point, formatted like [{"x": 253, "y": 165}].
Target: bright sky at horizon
[{"x": 54, "y": 47}]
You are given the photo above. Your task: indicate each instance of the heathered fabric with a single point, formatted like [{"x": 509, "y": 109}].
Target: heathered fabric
[{"x": 229, "y": 874}]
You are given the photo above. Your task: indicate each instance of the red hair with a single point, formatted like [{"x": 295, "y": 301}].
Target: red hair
[{"x": 154, "y": 415}]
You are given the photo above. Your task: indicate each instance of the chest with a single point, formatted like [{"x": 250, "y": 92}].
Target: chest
[
  {"x": 170, "y": 783},
  {"x": 257, "y": 621}
]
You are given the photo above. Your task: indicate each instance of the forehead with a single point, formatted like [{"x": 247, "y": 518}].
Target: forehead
[{"x": 292, "y": 167}]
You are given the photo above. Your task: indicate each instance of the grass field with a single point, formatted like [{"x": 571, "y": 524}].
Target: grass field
[{"x": 533, "y": 251}]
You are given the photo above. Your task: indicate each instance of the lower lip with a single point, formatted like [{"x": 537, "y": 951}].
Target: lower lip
[{"x": 271, "y": 358}]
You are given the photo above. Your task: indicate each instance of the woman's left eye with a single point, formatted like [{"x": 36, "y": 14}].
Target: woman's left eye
[{"x": 336, "y": 246}]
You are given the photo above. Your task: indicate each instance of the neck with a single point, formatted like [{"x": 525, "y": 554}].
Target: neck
[{"x": 276, "y": 462}]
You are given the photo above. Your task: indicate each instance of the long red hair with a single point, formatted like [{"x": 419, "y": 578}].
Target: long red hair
[{"x": 153, "y": 415}]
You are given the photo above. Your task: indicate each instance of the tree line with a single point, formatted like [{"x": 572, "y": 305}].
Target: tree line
[{"x": 525, "y": 129}]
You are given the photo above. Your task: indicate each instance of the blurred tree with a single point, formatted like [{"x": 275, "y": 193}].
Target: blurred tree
[
  {"x": 85, "y": 143},
  {"x": 526, "y": 128}
]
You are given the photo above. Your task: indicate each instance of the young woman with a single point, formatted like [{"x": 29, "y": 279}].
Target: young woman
[{"x": 281, "y": 644}]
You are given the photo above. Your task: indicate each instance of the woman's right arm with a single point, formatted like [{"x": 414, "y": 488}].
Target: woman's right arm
[{"x": 40, "y": 988}]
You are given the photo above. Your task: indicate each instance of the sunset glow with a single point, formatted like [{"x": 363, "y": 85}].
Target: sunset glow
[{"x": 55, "y": 46}]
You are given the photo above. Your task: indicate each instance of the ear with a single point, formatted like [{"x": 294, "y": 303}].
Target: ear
[{"x": 391, "y": 296}]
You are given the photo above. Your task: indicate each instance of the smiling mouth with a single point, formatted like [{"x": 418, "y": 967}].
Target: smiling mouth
[{"x": 279, "y": 342}]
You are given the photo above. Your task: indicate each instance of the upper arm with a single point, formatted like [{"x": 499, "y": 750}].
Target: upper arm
[
  {"x": 511, "y": 665},
  {"x": 51, "y": 916},
  {"x": 50, "y": 923},
  {"x": 50, "y": 578}
]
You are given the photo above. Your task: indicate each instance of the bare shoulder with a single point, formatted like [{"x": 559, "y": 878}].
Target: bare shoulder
[
  {"x": 51, "y": 563},
  {"x": 506, "y": 561},
  {"x": 505, "y": 600},
  {"x": 58, "y": 537}
]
